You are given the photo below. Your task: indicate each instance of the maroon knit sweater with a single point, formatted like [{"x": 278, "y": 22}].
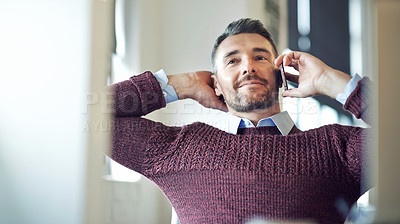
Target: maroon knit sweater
[{"x": 211, "y": 176}]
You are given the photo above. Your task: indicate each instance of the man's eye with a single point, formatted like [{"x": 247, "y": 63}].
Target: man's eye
[
  {"x": 231, "y": 62},
  {"x": 261, "y": 58}
]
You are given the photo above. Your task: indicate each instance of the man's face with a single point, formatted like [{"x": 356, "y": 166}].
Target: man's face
[{"x": 246, "y": 75}]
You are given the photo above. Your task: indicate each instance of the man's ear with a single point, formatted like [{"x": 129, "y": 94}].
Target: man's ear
[{"x": 217, "y": 87}]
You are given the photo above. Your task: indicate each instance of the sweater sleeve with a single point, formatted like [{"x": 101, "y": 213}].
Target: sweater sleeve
[
  {"x": 137, "y": 140},
  {"x": 353, "y": 151},
  {"x": 356, "y": 151},
  {"x": 358, "y": 101},
  {"x": 137, "y": 96}
]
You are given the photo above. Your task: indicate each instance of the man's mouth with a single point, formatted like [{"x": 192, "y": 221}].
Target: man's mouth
[{"x": 250, "y": 82}]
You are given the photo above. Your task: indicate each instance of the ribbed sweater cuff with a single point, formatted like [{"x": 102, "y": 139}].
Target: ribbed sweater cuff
[
  {"x": 357, "y": 103},
  {"x": 150, "y": 93}
]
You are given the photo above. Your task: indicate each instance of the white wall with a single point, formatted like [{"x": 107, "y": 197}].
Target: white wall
[
  {"x": 387, "y": 107},
  {"x": 44, "y": 72}
]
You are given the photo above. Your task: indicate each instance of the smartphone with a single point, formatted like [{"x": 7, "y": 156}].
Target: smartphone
[{"x": 284, "y": 81}]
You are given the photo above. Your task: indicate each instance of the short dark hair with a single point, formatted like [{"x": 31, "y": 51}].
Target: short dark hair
[{"x": 245, "y": 25}]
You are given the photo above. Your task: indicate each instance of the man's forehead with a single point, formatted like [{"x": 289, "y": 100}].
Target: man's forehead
[{"x": 244, "y": 41}]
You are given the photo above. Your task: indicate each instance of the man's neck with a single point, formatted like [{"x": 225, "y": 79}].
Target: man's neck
[{"x": 256, "y": 115}]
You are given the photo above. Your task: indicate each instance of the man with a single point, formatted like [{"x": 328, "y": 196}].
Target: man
[{"x": 264, "y": 167}]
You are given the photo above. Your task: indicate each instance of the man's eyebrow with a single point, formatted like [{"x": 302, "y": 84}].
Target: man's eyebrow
[
  {"x": 260, "y": 49},
  {"x": 256, "y": 49},
  {"x": 231, "y": 53}
]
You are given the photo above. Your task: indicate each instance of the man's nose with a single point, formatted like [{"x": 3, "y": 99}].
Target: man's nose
[{"x": 248, "y": 67}]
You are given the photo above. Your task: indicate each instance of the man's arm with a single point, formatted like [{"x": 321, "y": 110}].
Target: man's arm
[
  {"x": 134, "y": 139},
  {"x": 317, "y": 78},
  {"x": 142, "y": 94}
]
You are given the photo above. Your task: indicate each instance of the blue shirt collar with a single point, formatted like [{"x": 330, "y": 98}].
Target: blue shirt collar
[{"x": 282, "y": 121}]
